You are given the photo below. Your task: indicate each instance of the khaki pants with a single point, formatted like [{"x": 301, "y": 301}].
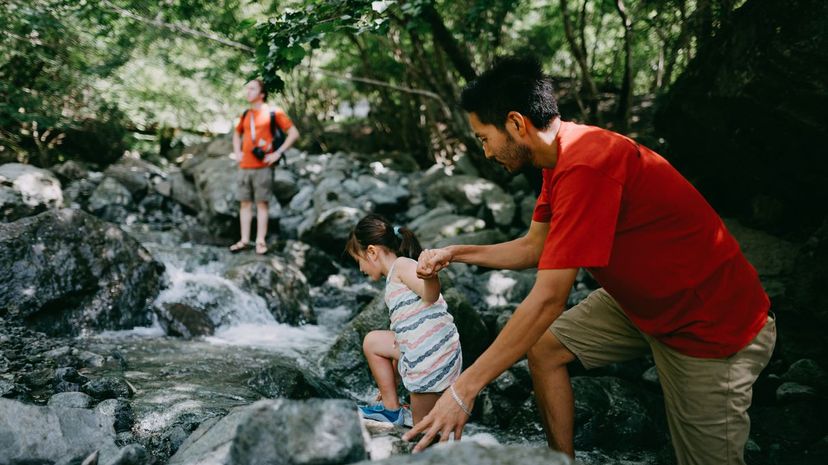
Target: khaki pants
[{"x": 706, "y": 399}]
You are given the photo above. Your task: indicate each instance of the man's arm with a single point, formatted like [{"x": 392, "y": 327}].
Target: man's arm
[
  {"x": 532, "y": 318},
  {"x": 518, "y": 254},
  {"x": 237, "y": 150},
  {"x": 290, "y": 138}
]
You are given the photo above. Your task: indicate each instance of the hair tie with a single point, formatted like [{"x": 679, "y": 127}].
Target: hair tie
[{"x": 397, "y": 231}]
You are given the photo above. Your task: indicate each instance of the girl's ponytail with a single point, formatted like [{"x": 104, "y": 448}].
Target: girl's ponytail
[{"x": 409, "y": 245}]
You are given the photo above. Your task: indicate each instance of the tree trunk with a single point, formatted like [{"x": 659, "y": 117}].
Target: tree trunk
[
  {"x": 448, "y": 43},
  {"x": 580, "y": 57},
  {"x": 625, "y": 99}
]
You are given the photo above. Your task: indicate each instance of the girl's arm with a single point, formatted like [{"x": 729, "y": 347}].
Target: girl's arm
[{"x": 428, "y": 289}]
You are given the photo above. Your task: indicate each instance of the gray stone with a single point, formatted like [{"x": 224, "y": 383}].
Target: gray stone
[
  {"x": 118, "y": 412},
  {"x": 469, "y": 193},
  {"x": 331, "y": 229},
  {"x": 32, "y": 434},
  {"x": 285, "y": 185},
  {"x": 133, "y": 454},
  {"x": 484, "y": 237},
  {"x": 807, "y": 371},
  {"x": 285, "y": 379},
  {"x": 26, "y": 190},
  {"x": 70, "y": 400},
  {"x": 183, "y": 320},
  {"x": 280, "y": 283},
  {"x": 65, "y": 272},
  {"x": 70, "y": 170},
  {"x": 789, "y": 392},
  {"x": 278, "y": 432},
  {"x": 107, "y": 387},
  {"x": 445, "y": 226},
  {"x": 314, "y": 263},
  {"x": 469, "y": 453}
]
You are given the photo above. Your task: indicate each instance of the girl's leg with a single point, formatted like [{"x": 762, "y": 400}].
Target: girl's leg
[
  {"x": 422, "y": 403},
  {"x": 381, "y": 352}
]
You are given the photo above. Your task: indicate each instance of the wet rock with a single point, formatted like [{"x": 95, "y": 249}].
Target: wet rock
[
  {"x": 111, "y": 201},
  {"x": 612, "y": 414},
  {"x": 331, "y": 230},
  {"x": 52, "y": 434},
  {"x": 315, "y": 264},
  {"x": 344, "y": 365},
  {"x": 467, "y": 453},
  {"x": 70, "y": 400},
  {"x": 133, "y": 454},
  {"x": 282, "y": 286},
  {"x": 65, "y": 272},
  {"x": 26, "y": 190},
  {"x": 789, "y": 392},
  {"x": 107, "y": 388},
  {"x": 469, "y": 194},
  {"x": 118, "y": 412},
  {"x": 278, "y": 432},
  {"x": 284, "y": 379},
  {"x": 183, "y": 320}
]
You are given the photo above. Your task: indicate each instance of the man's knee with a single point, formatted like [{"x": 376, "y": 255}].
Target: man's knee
[
  {"x": 548, "y": 352},
  {"x": 246, "y": 204}
]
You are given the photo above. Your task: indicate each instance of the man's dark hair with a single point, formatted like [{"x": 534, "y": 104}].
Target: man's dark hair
[{"x": 512, "y": 84}]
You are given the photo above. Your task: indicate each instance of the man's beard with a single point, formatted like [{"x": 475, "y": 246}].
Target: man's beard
[{"x": 515, "y": 156}]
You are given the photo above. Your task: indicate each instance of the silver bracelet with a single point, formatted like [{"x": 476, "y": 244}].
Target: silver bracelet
[{"x": 459, "y": 401}]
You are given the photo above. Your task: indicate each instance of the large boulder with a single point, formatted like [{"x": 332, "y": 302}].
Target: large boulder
[
  {"x": 746, "y": 119},
  {"x": 179, "y": 319},
  {"x": 473, "y": 196},
  {"x": 67, "y": 272},
  {"x": 177, "y": 187},
  {"x": 280, "y": 283},
  {"x": 331, "y": 229},
  {"x": 136, "y": 174},
  {"x": 277, "y": 432},
  {"x": 26, "y": 190},
  {"x": 286, "y": 379},
  {"x": 32, "y": 434},
  {"x": 111, "y": 201},
  {"x": 344, "y": 364},
  {"x": 314, "y": 263},
  {"x": 471, "y": 453}
]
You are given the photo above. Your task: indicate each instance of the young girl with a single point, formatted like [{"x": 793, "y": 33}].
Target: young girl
[{"x": 423, "y": 344}]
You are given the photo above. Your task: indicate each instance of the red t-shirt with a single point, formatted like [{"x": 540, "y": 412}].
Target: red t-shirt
[
  {"x": 261, "y": 123},
  {"x": 651, "y": 240}
]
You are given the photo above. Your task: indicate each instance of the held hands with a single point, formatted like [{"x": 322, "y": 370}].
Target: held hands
[
  {"x": 445, "y": 418},
  {"x": 431, "y": 261}
]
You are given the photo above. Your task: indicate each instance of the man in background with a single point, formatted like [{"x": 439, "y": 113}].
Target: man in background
[{"x": 257, "y": 145}]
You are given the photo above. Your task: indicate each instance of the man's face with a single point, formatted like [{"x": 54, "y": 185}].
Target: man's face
[
  {"x": 252, "y": 91},
  {"x": 500, "y": 145}
]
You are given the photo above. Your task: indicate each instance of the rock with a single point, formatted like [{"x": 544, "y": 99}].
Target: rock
[
  {"x": 484, "y": 237},
  {"x": 118, "y": 412},
  {"x": 135, "y": 174},
  {"x": 52, "y": 434},
  {"x": 303, "y": 200},
  {"x": 26, "y": 190},
  {"x": 282, "y": 286},
  {"x": 344, "y": 365},
  {"x": 315, "y": 264},
  {"x": 107, "y": 388},
  {"x": 469, "y": 193},
  {"x": 70, "y": 400},
  {"x": 789, "y": 392},
  {"x": 66, "y": 272},
  {"x": 284, "y": 185},
  {"x": 808, "y": 372},
  {"x": 278, "y": 432},
  {"x": 474, "y": 336},
  {"x": 503, "y": 287},
  {"x": 180, "y": 189},
  {"x": 651, "y": 376},
  {"x": 70, "y": 170},
  {"x": 283, "y": 379},
  {"x": 469, "y": 453},
  {"x": 111, "y": 201},
  {"x": 215, "y": 181},
  {"x": 445, "y": 226},
  {"x": 185, "y": 321},
  {"x": 133, "y": 454},
  {"x": 331, "y": 230},
  {"x": 612, "y": 414}
]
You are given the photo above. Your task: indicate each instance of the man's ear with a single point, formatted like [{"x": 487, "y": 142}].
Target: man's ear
[{"x": 515, "y": 124}]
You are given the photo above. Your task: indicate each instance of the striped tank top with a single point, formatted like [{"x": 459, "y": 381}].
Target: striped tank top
[{"x": 430, "y": 357}]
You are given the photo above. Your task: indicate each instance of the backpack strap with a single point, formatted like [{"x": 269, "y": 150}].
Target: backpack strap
[
  {"x": 278, "y": 136},
  {"x": 244, "y": 115}
]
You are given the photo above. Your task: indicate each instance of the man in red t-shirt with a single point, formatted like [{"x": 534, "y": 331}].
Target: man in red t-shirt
[
  {"x": 674, "y": 281},
  {"x": 253, "y": 148}
]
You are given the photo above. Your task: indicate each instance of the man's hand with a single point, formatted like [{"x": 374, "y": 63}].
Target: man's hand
[
  {"x": 431, "y": 261},
  {"x": 445, "y": 418},
  {"x": 272, "y": 158}
]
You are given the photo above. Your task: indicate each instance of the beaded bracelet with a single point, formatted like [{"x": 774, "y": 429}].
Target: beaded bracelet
[{"x": 459, "y": 401}]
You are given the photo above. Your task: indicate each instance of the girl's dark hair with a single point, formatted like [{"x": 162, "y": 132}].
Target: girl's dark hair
[{"x": 376, "y": 230}]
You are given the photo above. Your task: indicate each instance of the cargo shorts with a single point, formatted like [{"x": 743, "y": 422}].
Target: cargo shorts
[
  {"x": 706, "y": 399},
  {"x": 254, "y": 184}
]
